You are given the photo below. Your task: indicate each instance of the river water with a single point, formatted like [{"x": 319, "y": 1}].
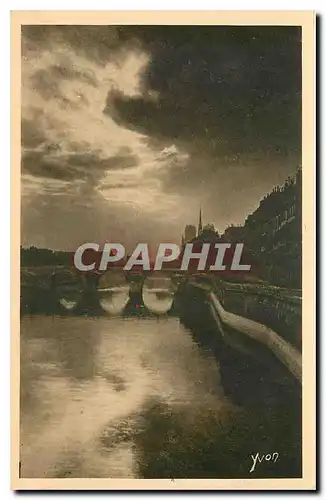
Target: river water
[{"x": 132, "y": 397}]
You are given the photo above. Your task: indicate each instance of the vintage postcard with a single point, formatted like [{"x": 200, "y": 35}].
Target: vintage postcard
[{"x": 163, "y": 262}]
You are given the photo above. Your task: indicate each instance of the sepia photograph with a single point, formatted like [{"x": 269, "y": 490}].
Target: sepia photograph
[{"x": 163, "y": 250}]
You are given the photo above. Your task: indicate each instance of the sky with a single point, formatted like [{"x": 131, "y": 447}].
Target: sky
[{"x": 128, "y": 130}]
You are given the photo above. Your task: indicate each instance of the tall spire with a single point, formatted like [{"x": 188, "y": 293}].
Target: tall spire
[{"x": 200, "y": 226}]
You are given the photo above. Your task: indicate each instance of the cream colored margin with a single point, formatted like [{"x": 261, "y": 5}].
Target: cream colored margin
[{"x": 306, "y": 19}]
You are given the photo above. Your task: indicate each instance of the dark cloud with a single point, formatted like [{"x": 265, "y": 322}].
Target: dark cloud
[
  {"x": 46, "y": 82},
  {"x": 67, "y": 71},
  {"x": 37, "y": 164},
  {"x": 98, "y": 43},
  {"x": 33, "y": 129},
  {"x": 43, "y": 82},
  {"x": 31, "y": 134},
  {"x": 77, "y": 166},
  {"x": 224, "y": 91},
  {"x": 120, "y": 185},
  {"x": 227, "y": 96}
]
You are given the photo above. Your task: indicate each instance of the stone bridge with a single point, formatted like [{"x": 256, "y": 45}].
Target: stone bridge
[{"x": 255, "y": 329}]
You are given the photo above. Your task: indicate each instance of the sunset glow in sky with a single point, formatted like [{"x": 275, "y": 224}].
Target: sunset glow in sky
[{"x": 126, "y": 131}]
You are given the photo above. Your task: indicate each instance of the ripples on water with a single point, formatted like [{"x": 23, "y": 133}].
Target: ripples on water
[{"x": 130, "y": 397}]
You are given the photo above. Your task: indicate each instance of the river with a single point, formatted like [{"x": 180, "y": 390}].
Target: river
[{"x": 133, "y": 397}]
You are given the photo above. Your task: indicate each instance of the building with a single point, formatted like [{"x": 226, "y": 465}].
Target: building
[
  {"x": 234, "y": 234},
  {"x": 200, "y": 225},
  {"x": 189, "y": 233},
  {"x": 203, "y": 233},
  {"x": 273, "y": 232}
]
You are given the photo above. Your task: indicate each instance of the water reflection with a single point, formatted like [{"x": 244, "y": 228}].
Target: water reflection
[
  {"x": 77, "y": 349},
  {"x": 158, "y": 293},
  {"x": 113, "y": 292},
  {"x": 113, "y": 397},
  {"x": 68, "y": 289},
  {"x": 81, "y": 377}
]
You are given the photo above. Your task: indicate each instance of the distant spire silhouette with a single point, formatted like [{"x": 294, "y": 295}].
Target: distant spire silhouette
[{"x": 200, "y": 226}]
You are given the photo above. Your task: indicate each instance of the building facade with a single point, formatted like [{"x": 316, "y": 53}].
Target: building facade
[{"x": 273, "y": 233}]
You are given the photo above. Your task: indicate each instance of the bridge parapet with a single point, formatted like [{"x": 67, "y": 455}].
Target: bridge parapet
[
  {"x": 277, "y": 308},
  {"x": 253, "y": 357}
]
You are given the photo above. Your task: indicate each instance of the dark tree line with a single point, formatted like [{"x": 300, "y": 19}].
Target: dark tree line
[{"x": 34, "y": 256}]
